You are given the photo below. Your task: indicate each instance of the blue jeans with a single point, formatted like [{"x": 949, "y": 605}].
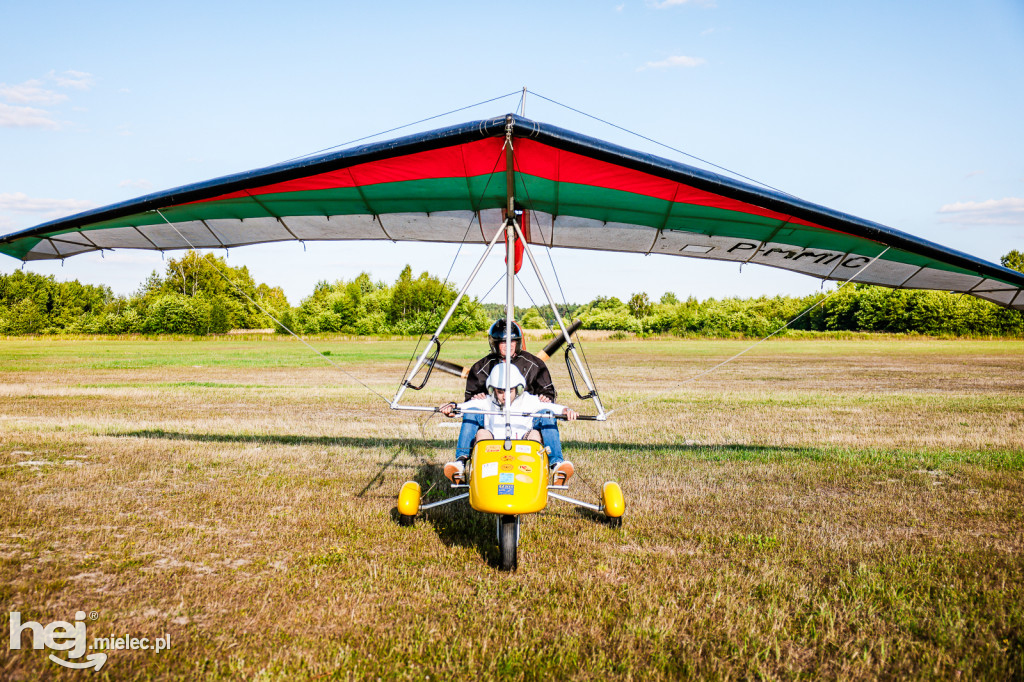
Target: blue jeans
[{"x": 548, "y": 427}]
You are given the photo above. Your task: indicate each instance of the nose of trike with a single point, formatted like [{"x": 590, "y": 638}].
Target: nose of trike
[{"x": 508, "y": 477}]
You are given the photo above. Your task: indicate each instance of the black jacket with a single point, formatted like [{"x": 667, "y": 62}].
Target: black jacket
[{"x": 538, "y": 379}]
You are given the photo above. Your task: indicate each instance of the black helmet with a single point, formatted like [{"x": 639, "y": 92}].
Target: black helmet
[{"x": 497, "y": 335}]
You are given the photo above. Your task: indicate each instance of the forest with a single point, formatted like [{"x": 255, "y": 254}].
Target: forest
[{"x": 201, "y": 294}]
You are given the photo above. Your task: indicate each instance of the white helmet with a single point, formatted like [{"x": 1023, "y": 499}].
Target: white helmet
[{"x": 496, "y": 380}]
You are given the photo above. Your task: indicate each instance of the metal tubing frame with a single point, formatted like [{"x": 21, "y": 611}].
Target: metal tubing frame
[
  {"x": 415, "y": 408},
  {"x": 601, "y": 415},
  {"x": 510, "y": 277},
  {"x": 578, "y": 503},
  {"x": 512, "y": 231},
  {"x": 451, "y": 311},
  {"x": 563, "y": 498},
  {"x": 510, "y": 274},
  {"x": 424, "y": 507}
]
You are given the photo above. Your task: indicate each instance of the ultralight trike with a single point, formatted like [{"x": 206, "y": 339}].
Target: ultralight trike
[{"x": 509, "y": 478}]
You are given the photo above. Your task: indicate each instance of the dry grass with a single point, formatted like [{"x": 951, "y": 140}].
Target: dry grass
[{"x": 833, "y": 509}]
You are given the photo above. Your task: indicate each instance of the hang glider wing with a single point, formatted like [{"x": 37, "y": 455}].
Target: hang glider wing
[{"x": 450, "y": 185}]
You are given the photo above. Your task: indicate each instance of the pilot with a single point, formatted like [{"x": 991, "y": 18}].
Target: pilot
[{"x": 489, "y": 420}]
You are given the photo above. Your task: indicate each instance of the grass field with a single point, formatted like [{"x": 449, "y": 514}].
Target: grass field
[{"x": 837, "y": 509}]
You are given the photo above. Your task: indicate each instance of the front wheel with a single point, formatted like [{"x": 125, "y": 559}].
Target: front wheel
[
  {"x": 508, "y": 540},
  {"x": 408, "y": 503},
  {"x": 613, "y": 503}
]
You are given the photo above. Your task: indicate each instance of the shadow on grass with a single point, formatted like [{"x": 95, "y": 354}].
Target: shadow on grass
[
  {"x": 731, "y": 451},
  {"x": 887, "y": 457},
  {"x": 456, "y": 524},
  {"x": 282, "y": 439},
  {"x": 596, "y": 517},
  {"x": 423, "y": 451}
]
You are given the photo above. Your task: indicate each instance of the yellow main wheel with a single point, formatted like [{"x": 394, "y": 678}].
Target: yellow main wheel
[
  {"x": 613, "y": 502},
  {"x": 408, "y": 503}
]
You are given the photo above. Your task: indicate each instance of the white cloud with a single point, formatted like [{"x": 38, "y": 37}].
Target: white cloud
[
  {"x": 30, "y": 92},
  {"x": 76, "y": 80},
  {"x": 14, "y": 115},
  {"x": 679, "y": 61},
  {"x": 664, "y": 4},
  {"x": 1008, "y": 211},
  {"x": 25, "y": 117},
  {"x": 136, "y": 184},
  {"x": 21, "y": 202}
]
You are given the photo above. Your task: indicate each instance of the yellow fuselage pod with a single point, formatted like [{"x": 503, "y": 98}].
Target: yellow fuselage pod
[{"x": 513, "y": 481}]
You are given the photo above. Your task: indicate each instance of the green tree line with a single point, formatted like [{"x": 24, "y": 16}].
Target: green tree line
[
  {"x": 194, "y": 296},
  {"x": 412, "y": 305},
  {"x": 189, "y": 298},
  {"x": 857, "y": 307}
]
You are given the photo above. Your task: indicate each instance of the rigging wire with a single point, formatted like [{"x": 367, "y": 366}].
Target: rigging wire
[
  {"x": 462, "y": 243},
  {"x": 666, "y": 146},
  {"x": 423, "y": 424},
  {"x": 268, "y": 313},
  {"x": 534, "y": 306},
  {"x": 476, "y": 217},
  {"x": 521, "y": 106},
  {"x": 407, "y": 125},
  {"x": 593, "y": 487},
  {"x": 496, "y": 283},
  {"x": 753, "y": 345},
  {"x": 579, "y": 339},
  {"x": 721, "y": 364},
  {"x": 476, "y": 213},
  {"x": 551, "y": 329},
  {"x": 557, "y": 280}
]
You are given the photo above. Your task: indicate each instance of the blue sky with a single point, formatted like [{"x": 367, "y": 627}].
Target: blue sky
[{"x": 905, "y": 113}]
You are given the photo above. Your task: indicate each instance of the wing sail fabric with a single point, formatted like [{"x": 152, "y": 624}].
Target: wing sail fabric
[{"x": 449, "y": 185}]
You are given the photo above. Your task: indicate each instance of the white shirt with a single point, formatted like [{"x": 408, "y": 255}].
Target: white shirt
[{"x": 495, "y": 423}]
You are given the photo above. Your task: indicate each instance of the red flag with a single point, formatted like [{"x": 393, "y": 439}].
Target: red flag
[
  {"x": 517, "y": 249},
  {"x": 524, "y": 224}
]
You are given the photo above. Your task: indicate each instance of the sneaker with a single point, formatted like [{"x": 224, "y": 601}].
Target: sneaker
[
  {"x": 456, "y": 471},
  {"x": 562, "y": 472}
]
